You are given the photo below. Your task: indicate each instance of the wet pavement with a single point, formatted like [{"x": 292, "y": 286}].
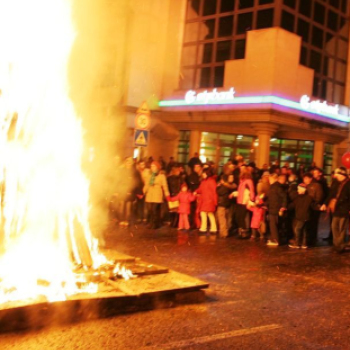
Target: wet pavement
[{"x": 259, "y": 298}]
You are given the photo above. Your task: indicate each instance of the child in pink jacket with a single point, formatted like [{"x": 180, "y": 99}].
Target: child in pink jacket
[{"x": 185, "y": 198}]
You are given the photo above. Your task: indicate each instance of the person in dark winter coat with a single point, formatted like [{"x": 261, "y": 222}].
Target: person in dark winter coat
[
  {"x": 338, "y": 202},
  {"x": 193, "y": 181},
  {"x": 224, "y": 189},
  {"x": 174, "y": 185},
  {"x": 302, "y": 204},
  {"x": 315, "y": 191},
  {"x": 277, "y": 204}
]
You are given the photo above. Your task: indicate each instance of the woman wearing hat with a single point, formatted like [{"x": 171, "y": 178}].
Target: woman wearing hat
[{"x": 156, "y": 188}]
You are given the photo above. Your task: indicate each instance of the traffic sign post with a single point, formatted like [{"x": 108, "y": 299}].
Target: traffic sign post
[
  {"x": 142, "y": 125},
  {"x": 141, "y": 138}
]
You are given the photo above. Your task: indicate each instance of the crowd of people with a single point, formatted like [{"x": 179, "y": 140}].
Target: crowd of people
[{"x": 275, "y": 203}]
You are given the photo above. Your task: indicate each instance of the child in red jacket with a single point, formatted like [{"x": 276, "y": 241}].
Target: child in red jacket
[{"x": 185, "y": 198}]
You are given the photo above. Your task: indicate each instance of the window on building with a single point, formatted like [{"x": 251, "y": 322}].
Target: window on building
[
  {"x": 223, "y": 50},
  {"x": 245, "y": 22},
  {"x": 225, "y": 26},
  {"x": 303, "y": 56},
  {"x": 240, "y": 49},
  {"x": 344, "y": 6},
  {"x": 316, "y": 87},
  {"x": 332, "y": 21},
  {"x": 193, "y": 9},
  {"x": 219, "y": 76},
  {"x": 209, "y": 7},
  {"x": 315, "y": 61},
  {"x": 342, "y": 51},
  {"x": 324, "y": 90},
  {"x": 303, "y": 30},
  {"x": 305, "y": 7},
  {"x": 265, "y": 2},
  {"x": 290, "y": 3},
  {"x": 335, "y": 3},
  {"x": 227, "y": 5},
  {"x": 287, "y": 21},
  {"x": 243, "y": 4},
  {"x": 317, "y": 37},
  {"x": 207, "y": 29},
  {"x": 205, "y": 53},
  {"x": 340, "y": 72},
  {"x": 339, "y": 91},
  {"x": 319, "y": 13},
  {"x": 204, "y": 78},
  {"x": 265, "y": 19}
]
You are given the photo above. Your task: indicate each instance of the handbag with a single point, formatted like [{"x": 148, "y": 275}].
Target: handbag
[{"x": 173, "y": 205}]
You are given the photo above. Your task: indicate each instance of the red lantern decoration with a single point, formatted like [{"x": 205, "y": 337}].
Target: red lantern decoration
[{"x": 345, "y": 159}]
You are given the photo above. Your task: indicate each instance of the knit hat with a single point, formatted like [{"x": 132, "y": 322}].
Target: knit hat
[
  {"x": 341, "y": 170},
  {"x": 302, "y": 186}
]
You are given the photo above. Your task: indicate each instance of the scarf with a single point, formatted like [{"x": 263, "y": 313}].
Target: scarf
[{"x": 153, "y": 178}]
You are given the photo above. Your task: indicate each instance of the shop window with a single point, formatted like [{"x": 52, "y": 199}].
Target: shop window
[
  {"x": 191, "y": 32},
  {"x": 265, "y": 2},
  {"x": 207, "y": 29},
  {"x": 290, "y": 3},
  {"x": 303, "y": 30},
  {"x": 225, "y": 26},
  {"x": 189, "y": 55},
  {"x": 205, "y": 53},
  {"x": 245, "y": 21},
  {"x": 223, "y": 50},
  {"x": 317, "y": 37},
  {"x": 243, "y": 4},
  {"x": 332, "y": 22},
  {"x": 305, "y": 7},
  {"x": 328, "y": 160},
  {"x": 335, "y": 3},
  {"x": 319, "y": 13},
  {"x": 240, "y": 49},
  {"x": 303, "y": 56},
  {"x": 193, "y": 9},
  {"x": 204, "y": 78},
  {"x": 227, "y": 5},
  {"x": 287, "y": 21},
  {"x": 315, "y": 61},
  {"x": 219, "y": 76},
  {"x": 209, "y": 7},
  {"x": 265, "y": 19},
  {"x": 184, "y": 146}
]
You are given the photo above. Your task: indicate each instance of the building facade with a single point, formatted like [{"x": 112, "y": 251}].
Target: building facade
[{"x": 266, "y": 79}]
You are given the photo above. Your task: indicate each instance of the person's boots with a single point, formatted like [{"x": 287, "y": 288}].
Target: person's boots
[{"x": 244, "y": 234}]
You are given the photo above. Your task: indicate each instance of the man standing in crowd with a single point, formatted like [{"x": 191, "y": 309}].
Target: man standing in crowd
[
  {"x": 194, "y": 160},
  {"x": 277, "y": 204},
  {"x": 193, "y": 182},
  {"x": 315, "y": 191},
  {"x": 338, "y": 202}
]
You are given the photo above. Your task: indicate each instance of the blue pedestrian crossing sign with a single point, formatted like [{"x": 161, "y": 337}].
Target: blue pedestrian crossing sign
[{"x": 141, "y": 138}]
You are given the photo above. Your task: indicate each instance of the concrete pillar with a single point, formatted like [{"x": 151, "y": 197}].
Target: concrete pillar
[
  {"x": 195, "y": 142},
  {"x": 319, "y": 153},
  {"x": 264, "y": 131}
]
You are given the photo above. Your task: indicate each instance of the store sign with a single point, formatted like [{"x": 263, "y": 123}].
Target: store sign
[
  {"x": 318, "y": 106},
  {"x": 205, "y": 97}
]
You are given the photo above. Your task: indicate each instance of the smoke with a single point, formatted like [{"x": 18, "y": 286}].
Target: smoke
[{"x": 96, "y": 77}]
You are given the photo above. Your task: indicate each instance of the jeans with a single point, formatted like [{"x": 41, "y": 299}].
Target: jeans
[
  {"x": 340, "y": 228},
  {"x": 222, "y": 214},
  {"x": 300, "y": 233},
  {"x": 273, "y": 221},
  {"x": 204, "y": 222}
]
